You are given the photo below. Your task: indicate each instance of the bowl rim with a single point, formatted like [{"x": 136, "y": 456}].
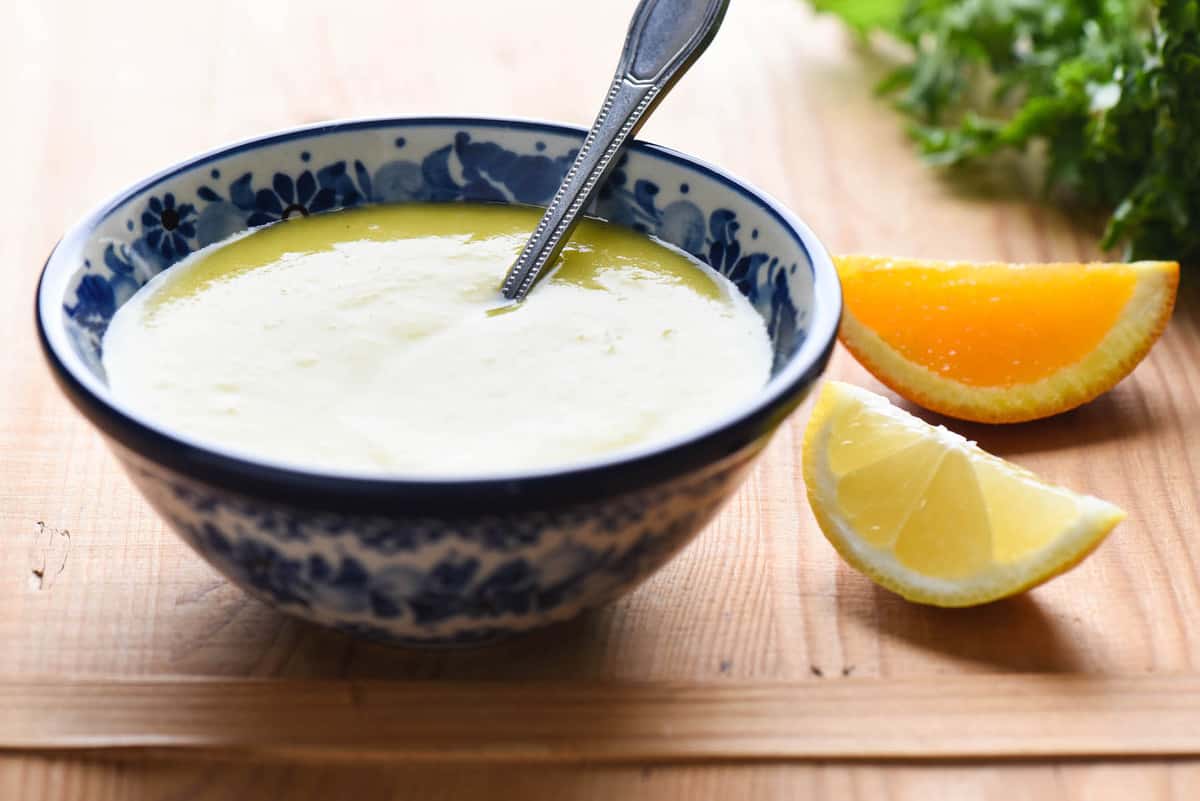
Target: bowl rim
[{"x": 453, "y": 494}]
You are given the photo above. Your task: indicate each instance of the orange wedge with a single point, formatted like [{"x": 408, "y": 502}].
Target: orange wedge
[{"x": 1002, "y": 343}]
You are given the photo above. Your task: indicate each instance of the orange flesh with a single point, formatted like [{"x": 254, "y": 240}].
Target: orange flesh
[{"x": 990, "y": 325}]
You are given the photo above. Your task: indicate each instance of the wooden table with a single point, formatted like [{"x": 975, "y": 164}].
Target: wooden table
[{"x": 756, "y": 664}]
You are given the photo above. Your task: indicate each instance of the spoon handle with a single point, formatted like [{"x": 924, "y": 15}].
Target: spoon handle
[{"x": 665, "y": 38}]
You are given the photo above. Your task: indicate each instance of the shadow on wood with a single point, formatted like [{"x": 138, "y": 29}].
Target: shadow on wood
[
  {"x": 576, "y": 649},
  {"x": 1012, "y": 635},
  {"x": 1121, "y": 414}
]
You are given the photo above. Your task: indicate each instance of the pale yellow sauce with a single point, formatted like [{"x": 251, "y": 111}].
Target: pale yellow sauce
[{"x": 376, "y": 341}]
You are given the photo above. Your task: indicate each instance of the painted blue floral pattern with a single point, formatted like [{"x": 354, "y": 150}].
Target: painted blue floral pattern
[
  {"x": 285, "y": 198},
  {"x": 433, "y": 581},
  {"x": 168, "y": 229},
  {"x": 97, "y": 298}
]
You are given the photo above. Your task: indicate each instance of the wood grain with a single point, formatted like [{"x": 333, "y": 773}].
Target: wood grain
[
  {"x": 964, "y": 717},
  {"x": 101, "y": 94},
  {"x": 74, "y": 779}
]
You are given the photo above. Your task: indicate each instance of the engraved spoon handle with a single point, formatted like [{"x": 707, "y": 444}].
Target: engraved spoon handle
[{"x": 665, "y": 38}]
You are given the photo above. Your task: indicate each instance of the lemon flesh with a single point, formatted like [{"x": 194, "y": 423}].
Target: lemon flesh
[{"x": 931, "y": 516}]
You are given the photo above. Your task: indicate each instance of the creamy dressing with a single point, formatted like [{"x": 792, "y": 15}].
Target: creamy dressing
[{"x": 375, "y": 340}]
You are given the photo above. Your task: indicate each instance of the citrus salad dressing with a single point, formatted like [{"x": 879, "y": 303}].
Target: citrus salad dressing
[{"x": 375, "y": 340}]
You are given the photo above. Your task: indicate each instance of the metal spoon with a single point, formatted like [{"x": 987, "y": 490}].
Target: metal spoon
[{"x": 665, "y": 38}]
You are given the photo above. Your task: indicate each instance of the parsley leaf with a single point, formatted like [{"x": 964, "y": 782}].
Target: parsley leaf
[{"x": 1109, "y": 88}]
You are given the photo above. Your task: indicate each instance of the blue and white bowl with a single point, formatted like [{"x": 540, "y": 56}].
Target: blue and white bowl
[{"x": 425, "y": 559}]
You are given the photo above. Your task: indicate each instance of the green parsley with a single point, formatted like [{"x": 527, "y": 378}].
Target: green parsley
[{"x": 1109, "y": 88}]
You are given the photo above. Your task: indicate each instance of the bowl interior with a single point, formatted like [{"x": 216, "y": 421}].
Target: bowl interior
[{"x": 771, "y": 257}]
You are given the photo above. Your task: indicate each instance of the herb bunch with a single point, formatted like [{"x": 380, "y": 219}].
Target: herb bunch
[{"x": 1109, "y": 88}]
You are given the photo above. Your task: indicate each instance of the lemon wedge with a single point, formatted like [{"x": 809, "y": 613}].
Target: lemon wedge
[{"x": 928, "y": 514}]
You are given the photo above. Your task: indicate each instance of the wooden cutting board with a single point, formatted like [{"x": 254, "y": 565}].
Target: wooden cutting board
[{"x": 755, "y": 644}]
